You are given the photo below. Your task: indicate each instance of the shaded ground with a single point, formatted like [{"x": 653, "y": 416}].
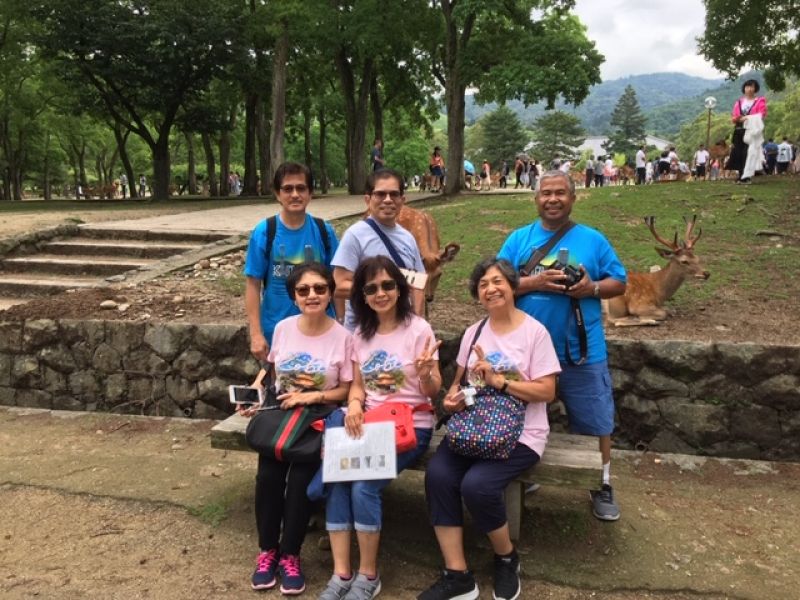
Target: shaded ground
[{"x": 118, "y": 507}]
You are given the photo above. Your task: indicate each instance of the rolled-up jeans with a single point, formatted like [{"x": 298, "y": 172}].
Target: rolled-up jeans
[{"x": 358, "y": 504}]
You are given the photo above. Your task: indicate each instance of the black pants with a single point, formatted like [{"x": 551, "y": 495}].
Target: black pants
[
  {"x": 281, "y": 499},
  {"x": 589, "y": 177},
  {"x": 641, "y": 175},
  {"x": 598, "y": 179}
]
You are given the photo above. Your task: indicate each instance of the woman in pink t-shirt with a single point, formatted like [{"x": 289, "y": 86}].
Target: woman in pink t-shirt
[
  {"x": 311, "y": 354},
  {"x": 395, "y": 359},
  {"x": 514, "y": 354}
]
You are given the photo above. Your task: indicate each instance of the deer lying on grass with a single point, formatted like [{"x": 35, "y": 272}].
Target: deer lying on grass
[{"x": 646, "y": 293}]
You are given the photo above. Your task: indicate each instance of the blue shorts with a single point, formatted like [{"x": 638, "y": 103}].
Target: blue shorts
[{"x": 587, "y": 393}]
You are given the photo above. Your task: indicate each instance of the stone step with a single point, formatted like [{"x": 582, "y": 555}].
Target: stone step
[
  {"x": 99, "y": 247},
  {"x": 8, "y": 302},
  {"x": 87, "y": 265},
  {"x": 20, "y": 285},
  {"x": 162, "y": 235}
]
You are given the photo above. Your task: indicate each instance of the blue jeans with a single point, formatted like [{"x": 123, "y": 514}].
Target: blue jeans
[{"x": 358, "y": 504}]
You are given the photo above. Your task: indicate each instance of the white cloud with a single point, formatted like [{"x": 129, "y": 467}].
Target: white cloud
[{"x": 644, "y": 36}]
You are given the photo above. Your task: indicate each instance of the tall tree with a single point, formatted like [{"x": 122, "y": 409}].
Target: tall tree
[
  {"x": 143, "y": 59},
  {"x": 556, "y": 134},
  {"x": 527, "y": 49},
  {"x": 502, "y": 135},
  {"x": 756, "y": 33},
  {"x": 628, "y": 124}
]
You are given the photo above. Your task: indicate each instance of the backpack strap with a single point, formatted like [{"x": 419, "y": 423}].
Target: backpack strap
[
  {"x": 271, "y": 231},
  {"x": 326, "y": 241}
]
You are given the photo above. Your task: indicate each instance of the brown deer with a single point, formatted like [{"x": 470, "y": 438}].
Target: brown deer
[{"x": 646, "y": 293}]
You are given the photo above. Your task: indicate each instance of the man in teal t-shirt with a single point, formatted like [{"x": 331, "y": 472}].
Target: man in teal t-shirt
[
  {"x": 298, "y": 239},
  {"x": 584, "y": 384}
]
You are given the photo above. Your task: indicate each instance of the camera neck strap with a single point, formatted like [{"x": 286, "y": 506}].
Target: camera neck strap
[
  {"x": 576, "y": 312},
  {"x": 541, "y": 252}
]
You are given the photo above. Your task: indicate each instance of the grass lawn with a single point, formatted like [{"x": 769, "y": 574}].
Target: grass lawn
[{"x": 752, "y": 266}]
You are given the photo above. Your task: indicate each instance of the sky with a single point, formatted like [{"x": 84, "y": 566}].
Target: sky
[{"x": 645, "y": 36}]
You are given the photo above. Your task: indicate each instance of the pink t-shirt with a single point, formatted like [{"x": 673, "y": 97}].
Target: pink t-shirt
[
  {"x": 318, "y": 362},
  {"x": 387, "y": 366},
  {"x": 525, "y": 354}
]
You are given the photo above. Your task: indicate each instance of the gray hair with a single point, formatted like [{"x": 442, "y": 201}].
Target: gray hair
[
  {"x": 502, "y": 265},
  {"x": 564, "y": 176}
]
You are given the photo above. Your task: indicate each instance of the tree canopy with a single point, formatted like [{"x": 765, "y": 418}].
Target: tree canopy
[
  {"x": 628, "y": 124},
  {"x": 502, "y": 136},
  {"x": 757, "y": 33},
  {"x": 556, "y": 135}
]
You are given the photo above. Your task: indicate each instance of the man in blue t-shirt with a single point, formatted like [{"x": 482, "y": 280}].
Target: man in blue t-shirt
[
  {"x": 298, "y": 238},
  {"x": 384, "y": 198},
  {"x": 584, "y": 384}
]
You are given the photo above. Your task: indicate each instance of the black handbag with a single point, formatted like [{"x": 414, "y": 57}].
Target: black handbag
[{"x": 293, "y": 435}]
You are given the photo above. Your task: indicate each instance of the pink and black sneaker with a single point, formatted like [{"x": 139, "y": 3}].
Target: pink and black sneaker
[
  {"x": 264, "y": 575},
  {"x": 292, "y": 580}
]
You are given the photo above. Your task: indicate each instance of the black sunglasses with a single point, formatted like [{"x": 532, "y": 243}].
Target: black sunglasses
[
  {"x": 290, "y": 189},
  {"x": 386, "y": 285},
  {"x": 304, "y": 290},
  {"x": 393, "y": 194}
]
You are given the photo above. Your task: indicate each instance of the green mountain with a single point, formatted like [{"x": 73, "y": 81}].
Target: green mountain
[{"x": 667, "y": 99}]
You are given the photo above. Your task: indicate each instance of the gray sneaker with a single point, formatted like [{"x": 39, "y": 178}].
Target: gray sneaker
[
  {"x": 337, "y": 588},
  {"x": 363, "y": 588},
  {"x": 603, "y": 505}
]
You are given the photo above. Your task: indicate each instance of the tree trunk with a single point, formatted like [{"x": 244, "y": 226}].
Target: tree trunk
[
  {"x": 122, "y": 140},
  {"x": 250, "y": 122},
  {"x": 225, "y": 163},
  {"x": 355, "y": 115},
  {"x": 377, "y": 109},
  {"x": 263, "y": 150},
  {"x": 307, "y": 156},
  {"x": 323, "y": 165},
  {"x": 161, "y": 169},
  {"x": 191, "y": 169},
  {"x": 81, "y": 155},
  {"x": 6, "y": 185},
  {"x": 16, "y": 180},
  {"x": 211, "y": 167},
  {"x": 46, "y": 190},
  {"x": 278, "y": 101}
]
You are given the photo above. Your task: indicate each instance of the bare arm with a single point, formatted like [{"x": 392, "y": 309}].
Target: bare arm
[
  {"x": 344, "y": 283},
  {"x": 355, "y": 404},
  {"x": 252, "y": 304},
  {"x": 333, "y": 396}
]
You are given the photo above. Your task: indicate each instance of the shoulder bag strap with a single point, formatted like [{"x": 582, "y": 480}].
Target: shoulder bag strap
[
  {"x": 388, "y": 243},
  {"x": 540, "y": 253},
  {"x": 471, "y": 346}
]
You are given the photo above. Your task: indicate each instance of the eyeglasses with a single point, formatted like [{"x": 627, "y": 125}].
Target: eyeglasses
[
  {"x": 303, "y": 291},
  {"x": 387, "y": 286},
  {"x": 291, "y": 189},
  {"x": 393, "y": 194}
]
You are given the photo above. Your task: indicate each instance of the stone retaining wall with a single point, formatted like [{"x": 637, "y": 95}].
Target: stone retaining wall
[{"x": 737, "y": 400}]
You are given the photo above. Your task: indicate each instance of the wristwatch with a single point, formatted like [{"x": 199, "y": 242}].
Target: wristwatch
[{"x": 596, "y": 292}]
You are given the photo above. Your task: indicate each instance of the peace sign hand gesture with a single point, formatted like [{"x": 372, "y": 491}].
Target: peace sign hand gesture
[
  {"x": 483, "y": 369},
  {"x": 425, "y": 362}
]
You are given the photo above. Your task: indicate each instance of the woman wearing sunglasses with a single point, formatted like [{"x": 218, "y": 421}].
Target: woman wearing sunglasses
[
  {"x": 395, "y": 359},
  {"x": 311, "y": 354}
]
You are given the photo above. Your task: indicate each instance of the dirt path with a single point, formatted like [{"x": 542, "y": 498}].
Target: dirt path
[{"x": 118, "y": 507}]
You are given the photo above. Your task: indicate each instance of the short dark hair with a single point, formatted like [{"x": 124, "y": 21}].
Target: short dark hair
[
  {"x": 314, "y": 267},
  {"x": 376, "y": 176},
  {"x": 752, "y": 82},
  {"x": 366, "y": 318},
  {"x": 290, "y": 168},
  {"x": 506, "y": 269}
]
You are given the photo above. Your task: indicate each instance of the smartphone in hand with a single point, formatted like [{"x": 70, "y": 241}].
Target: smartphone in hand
[{"x": 245, "y": 395}]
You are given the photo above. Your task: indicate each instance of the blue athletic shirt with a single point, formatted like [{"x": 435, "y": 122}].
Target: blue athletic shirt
[
  {"x": 587, "y": 247},
  {"x": 288, "y": 250}
]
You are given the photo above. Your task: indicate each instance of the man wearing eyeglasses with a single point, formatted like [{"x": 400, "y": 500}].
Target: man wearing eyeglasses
[
  {"x": 384, "y": 198},
  {"x": 296, "y": 237}
]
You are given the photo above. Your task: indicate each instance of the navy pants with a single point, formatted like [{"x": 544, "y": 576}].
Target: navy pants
[{"x": 480, "y": 483}]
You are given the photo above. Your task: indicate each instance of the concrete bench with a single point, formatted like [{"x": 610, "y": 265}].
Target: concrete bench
[{"x": 569, "y": 461}]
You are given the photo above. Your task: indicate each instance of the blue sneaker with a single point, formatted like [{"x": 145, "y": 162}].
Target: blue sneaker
[
  {"x": 292, "y": 580},
  {"x": 264, "y": 575}
]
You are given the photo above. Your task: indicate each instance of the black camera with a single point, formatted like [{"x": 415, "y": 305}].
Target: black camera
[{"x": 572, "y": 274}]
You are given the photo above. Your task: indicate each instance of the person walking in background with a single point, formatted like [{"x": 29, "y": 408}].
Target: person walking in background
[
  {"x": 770, "y": 156},
  {"x": 504, "y": 175},
  {"x": 123, "y": 184},
  {"x": 598, "y": 171},
  {"x": 519, "y": 168},
  {"x": 142, "y": 185},
  {"x": 641, "y": 166},
  {"x": 376, "y": 155},
  {"x": 436, "y": 166},
  {"x": 784, "y": 157},
  {"x": 700, "y": 160},
  {"x": 589, "y": 172},
  {"x": 748, "y": 112}
]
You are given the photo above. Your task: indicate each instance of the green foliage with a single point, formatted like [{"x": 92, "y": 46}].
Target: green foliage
[
  {"x": 556, "y": 134},
  {"x": 502, "y": 136},
  {"x": 628, "y": 124},
  {"x": 760, "y": 33}
]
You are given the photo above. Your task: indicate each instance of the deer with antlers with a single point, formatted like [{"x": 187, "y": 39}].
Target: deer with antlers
[{"x": 645, "y": 294}]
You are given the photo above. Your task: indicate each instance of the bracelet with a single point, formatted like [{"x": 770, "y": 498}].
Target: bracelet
[
  {"x": 322, "y": 397},
  {"x": 359, "y": 400}
]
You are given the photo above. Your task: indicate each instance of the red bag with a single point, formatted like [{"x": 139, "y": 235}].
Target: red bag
[{"x": 405, "y": 438}]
